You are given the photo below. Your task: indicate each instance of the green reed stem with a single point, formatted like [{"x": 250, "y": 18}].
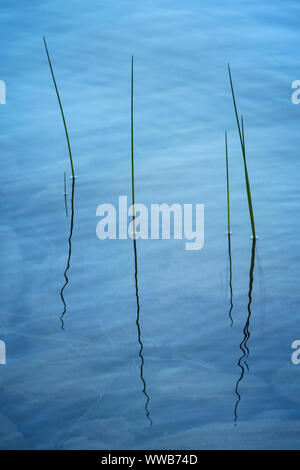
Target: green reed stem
[
  {"x": 132, "y": 149},
  {"x": 242, "y": 140},
  {"x": 227, "y": 179},
  {"x": 243, "y": 132},
  {"x": 65, "y": 193},
  {"x": 61, "y": 108}
]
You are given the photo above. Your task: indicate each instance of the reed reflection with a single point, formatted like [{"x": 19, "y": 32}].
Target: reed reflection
[
  {"x": 243, "y": 345},
  {"x": 139, "y": 331},
  {"x": 230, "y": 280},
  {"x": 135, "y": 253},
  {"x": 69, "y": 256}
]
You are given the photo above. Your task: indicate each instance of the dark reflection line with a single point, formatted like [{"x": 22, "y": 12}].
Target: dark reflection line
[
  {"x": 230, "y": 280},
  {"x": 65, "y": 194},
  {"x": 237, "y": 387},
  {"x": 139, "y": 332},
  {"x": 243, "y": 345},
  {"x": 69, "y": 256},
  {"x": 135, "y": 257}
]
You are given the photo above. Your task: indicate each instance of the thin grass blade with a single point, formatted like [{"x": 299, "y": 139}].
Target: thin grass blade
[
  {"x": 242, "y": 140},
  {"x": 65, "y": 193},
  {"x": 227, "y": 178},
  {"x": 61, "y": 108},
  {"x": 132, "y": 150}
]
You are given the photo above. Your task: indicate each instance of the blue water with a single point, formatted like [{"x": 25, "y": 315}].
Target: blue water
[{"x": 81, "y": 387}]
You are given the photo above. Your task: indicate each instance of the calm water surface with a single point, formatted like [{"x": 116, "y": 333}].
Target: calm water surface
[{"x": 203, "y": 383}]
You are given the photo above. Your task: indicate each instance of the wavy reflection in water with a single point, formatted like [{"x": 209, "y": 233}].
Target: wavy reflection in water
[
  {"x": 69, "y": 256},
  {"x": 139, "y": 332},
  {"x": 243, "y": 346},
  {"x": 135, "y": 256},
  {"x": 230, "y": 280}
]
